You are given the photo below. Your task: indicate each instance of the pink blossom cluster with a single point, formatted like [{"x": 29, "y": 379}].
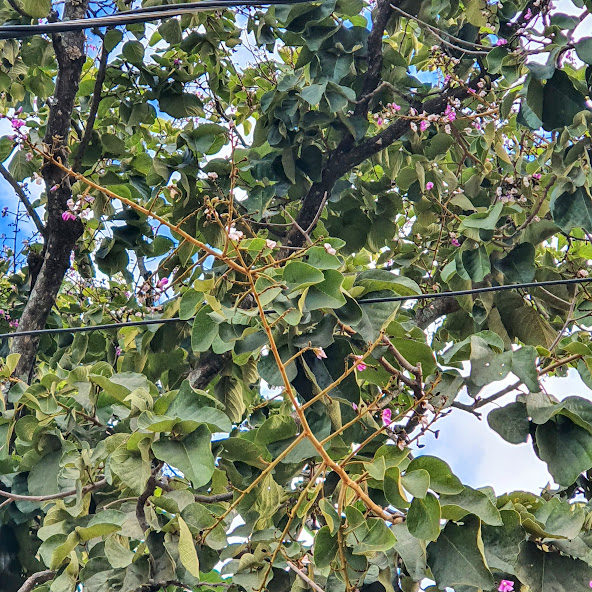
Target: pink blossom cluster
[
  {"x": 4, "y": 314},
  {"x": 82, "y": 206}
]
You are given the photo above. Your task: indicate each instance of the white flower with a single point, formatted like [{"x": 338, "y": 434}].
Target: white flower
[
  {"x": 447, "y": 129},
  {"x": 234, "y": 234},
  {"x": 212, "y": 175},
  {"x": 270, "y": 244},
  {"x": 413, "y": 126},
  {"x": 330, "y": 249}
]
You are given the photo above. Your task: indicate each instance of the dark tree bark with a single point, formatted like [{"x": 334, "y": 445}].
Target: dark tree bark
[
  {"x": 61, "y": 235},
  {"x": 425, "y": 316}
]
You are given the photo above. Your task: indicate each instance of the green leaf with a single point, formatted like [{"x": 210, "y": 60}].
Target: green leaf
[
  {"x": 314, "y": 93},
  {"x": 518, "y": 265},
  {"x": 524, "y": 367},
  {"x": 187, "y": 552},
  {"x": 565, "y": 447},
  {"x": 299, "y": 275},
  {"x": 170, "y": 31},
  {"x": 423, "y": 517},
  {"x": 457, "y": 557},
  {"x": 113, "y": 38},
  {"x": 6, "y": 148},
  {"x": 584, "y": 49},
  {"x": 543, "y": 571},
  {"x": 101, "y": 524},
  {"x": 378, "y": 538},
  {"x": 190, "y": 405},
  {"x": 416, "y": 482},
  {"x": 36, "y": 8},
  {"x": 133, "y": 52},
  {"x": 442, "y": 479},
  {"x": 561, "y": 102},
  {"x": 325, "y": 547},
  {"x": 510, "y": 422},
  {"x": 572, "y": 210},
  {"x": 561, "y": 519},
  {"x": 326, "y": 294},
  {"x": 476, "y": 263},
  {"x": 502, "y": 543},
  {"x": 412, "y": 551},
  {"x": 192, "y": 455},
  {"x": 483, "y": 220},
  {"x": 470, "y": 501},
  {"x": 204, "y": 331},
  {"x": 531, "y": 106}
]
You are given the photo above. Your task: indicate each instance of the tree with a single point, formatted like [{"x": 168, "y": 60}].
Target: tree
[{"x": 270, "y": 183}]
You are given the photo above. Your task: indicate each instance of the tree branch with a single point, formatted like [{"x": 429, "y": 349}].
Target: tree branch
[
  {"x": 380, "y": 18},
  {"x": 304, "y": 577},
  {"x": 53, "y": 496},
  {"x": 37, "y": 578},
  {"x": 207, "y": 368},
  {"x": 94, "y": 107},
  {"x": 348, "y": 155},
  {"x": 24, "y": 199},
  {"x": 425, "y": 316}
]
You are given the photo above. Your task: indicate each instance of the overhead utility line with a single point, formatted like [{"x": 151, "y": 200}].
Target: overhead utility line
[
  {"x": 130, "y": 17},
  {"x": 434, "y": 296}
]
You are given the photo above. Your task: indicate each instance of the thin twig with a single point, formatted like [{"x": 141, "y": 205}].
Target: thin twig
[
  {"x": 304, "y": 577},
  {"x": 24, "y": 199},
  {"x": 53, "y": 496}
]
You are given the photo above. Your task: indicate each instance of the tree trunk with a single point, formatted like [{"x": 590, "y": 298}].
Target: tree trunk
[{"x": 61, "y": 235}]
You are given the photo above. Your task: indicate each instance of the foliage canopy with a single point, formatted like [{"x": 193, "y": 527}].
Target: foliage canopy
[{"x": 260, "y": 174}]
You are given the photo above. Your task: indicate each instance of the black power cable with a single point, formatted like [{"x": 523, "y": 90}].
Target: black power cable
[
  {"x": 130, "y": 17},
  {"x": 434, "y": 296}
]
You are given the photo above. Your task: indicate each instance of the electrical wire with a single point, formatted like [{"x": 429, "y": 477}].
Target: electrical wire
[
  {"x": 435, "y": 296},
  {"x": 130, "y": 17}
]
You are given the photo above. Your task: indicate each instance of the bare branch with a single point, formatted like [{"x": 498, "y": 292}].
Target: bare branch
[
  {"x": 53, "y": 496},
  {"x": 304, "y": 577},
  {"x": 37, "y": 578},
  {"x": 94, "y": 106},
  {"x": 24, "y": 199}
]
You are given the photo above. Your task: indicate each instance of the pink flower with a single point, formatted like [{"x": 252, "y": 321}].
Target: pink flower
[
  {"x": 13, "y": 324},
  {"x": 161, "y": 284},
  {"x": 118, "y": 352},
  {"x": 528, "y": 14},
  {"x": 19, "y": 111},
  {"x": 386, "y": 417},
  {"x": 506, "y": 586},
  {"x": 17, "y": 123},
  {"x": 29, "y": 156},
  {"x": 68, "y": 216},
  {"x": 423, "y": 126},
  {"x": 360, "y": 366},
  {"x": 270, "y": 244},
  {"x": 54, "y": 188},
  {"x": 454, "y": 242},
  {"x": 320, "y": 353},
  {"x": 536, "y": 176},
  {"x": 498, "y": 43},
  {"x": 379, "y": 121},
  {"x": 447, "y": 79},
  {"x": 450, "y": 113},
  {"x": 429, "y": 186},
  {"x": 395, "y": 107}
]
